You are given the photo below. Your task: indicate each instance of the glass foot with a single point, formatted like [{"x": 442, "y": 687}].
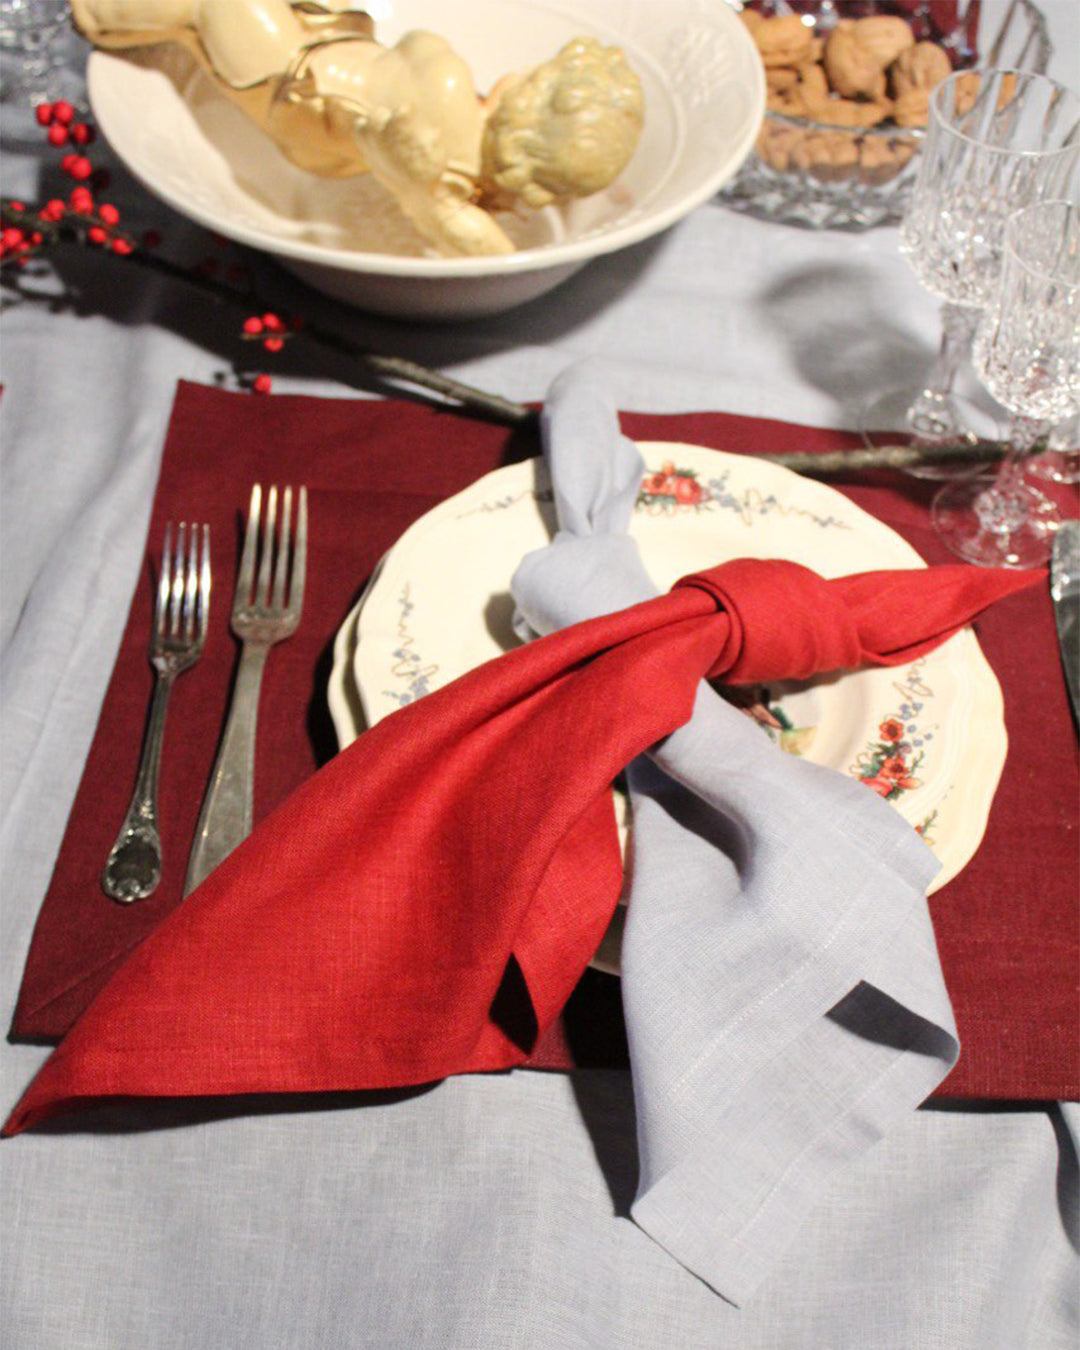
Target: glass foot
[
  {"x": 907, "y": 417},
  {"x": 1010, "y": 527},
  {"x": 1055, "y": 466}
]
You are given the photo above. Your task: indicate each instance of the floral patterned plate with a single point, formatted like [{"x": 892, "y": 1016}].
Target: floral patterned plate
[{"x": 929, "y": 738}]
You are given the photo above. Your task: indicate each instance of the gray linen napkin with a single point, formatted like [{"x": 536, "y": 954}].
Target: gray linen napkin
[{"x": 783, "y": 995}]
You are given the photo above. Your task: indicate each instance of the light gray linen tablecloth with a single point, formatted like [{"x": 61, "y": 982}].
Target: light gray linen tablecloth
[{"x": 490, "y": 1211}]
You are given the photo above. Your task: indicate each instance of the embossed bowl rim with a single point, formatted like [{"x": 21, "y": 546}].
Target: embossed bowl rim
[{"x": 715, "y": 31}]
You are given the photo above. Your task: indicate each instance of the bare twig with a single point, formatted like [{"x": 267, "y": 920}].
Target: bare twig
[
  {"x": 466, "y": 397},
  {"x": 830, "y": 462},
  {"x": 393, "y": 368}
]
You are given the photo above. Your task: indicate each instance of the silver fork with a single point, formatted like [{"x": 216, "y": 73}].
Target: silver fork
[
  {"x": 133, "y": 869},
  {"x": 262, "y": 614}
]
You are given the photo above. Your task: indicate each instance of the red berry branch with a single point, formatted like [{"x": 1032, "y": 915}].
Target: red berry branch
[
  {"x": 273, "y": 332},
  {"x": 28, "y": 231}
]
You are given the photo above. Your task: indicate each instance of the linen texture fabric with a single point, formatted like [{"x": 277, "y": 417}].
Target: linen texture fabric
[
  {"x": 465, "y": 861},
  {"x": 488, "y": 1212},
  {"x": 784, "y": 1001},
  {"x": 1009, "y": 968}
]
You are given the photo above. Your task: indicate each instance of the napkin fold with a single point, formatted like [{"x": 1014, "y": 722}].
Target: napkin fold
[
  {"x": 425, "y": 904},
  {"x": 784, "y": 1000}
]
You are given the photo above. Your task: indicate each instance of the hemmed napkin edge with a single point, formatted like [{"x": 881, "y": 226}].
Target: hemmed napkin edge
[{"x": 735, "y": 1266}]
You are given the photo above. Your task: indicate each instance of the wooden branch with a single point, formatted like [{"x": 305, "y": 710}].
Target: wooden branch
[
  {"x": 830, "y": 462},
  {"x": 394, "y": 368},
  {"x": 455, "y": 393},
  {"x": 386, "y": 368}
]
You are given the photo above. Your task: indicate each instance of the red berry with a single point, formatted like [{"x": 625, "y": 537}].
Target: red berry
[
  {"x": 253, "y": 326},
  {"x": 81, "y": 200},
  {"x": 151, "y": 239},
  {"x": 274, "y": 344},
  {"x": 122, "y": 246},
  {"x": 97, "y": 235},
  {"x": 11, "y": 237},
  {"x": 68, "y": 161},
  {"x": 36, "y": 238},
  {"x": 56, "y": 207},
  {"x": 58, "y": 135},
  {"x": 17, "y": 206},
  {"x": 44, "y": 113},
  {"x": 80, "y": 168},
  {"x": 63, "y": 112},
  {"x": 109, "y": 214},
  {"x": 272, "y": 323},
  {"x": 83, "y": 134},
  {"x": 262, "y": 384}
]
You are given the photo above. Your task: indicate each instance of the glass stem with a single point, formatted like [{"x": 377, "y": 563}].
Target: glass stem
[
  {"x": 1005, "y": 506},
  {"x": 1027, "y": 437},
  {"x": 930, "y": 414}
]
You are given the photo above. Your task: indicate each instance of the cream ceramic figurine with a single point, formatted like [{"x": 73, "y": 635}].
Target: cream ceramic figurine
[{"x": 337, "y": 102}]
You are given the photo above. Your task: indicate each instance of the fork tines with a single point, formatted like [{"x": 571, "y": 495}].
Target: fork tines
[
  {"x": 279, "y": 583},
  {"x": 183, "y": 595}
]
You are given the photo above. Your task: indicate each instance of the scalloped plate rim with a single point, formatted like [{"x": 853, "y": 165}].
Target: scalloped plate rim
[{"x": 984, "y": 755}]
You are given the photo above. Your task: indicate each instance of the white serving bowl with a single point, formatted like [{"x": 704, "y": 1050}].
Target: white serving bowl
[{"x": 705, "y": 99}]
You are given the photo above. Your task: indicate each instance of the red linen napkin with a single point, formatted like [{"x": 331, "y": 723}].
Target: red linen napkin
[
  {"x": 463, "y": 843},
  {"x": 1006, "y": 926}
]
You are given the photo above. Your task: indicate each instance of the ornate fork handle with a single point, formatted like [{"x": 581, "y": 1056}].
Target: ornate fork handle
[
  {"x": 226, "y": 815},
  {"x": 133, "y": 868},
  {"x": 181, "y": 612}
]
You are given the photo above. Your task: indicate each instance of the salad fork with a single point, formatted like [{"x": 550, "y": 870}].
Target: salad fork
[
  {"x": 133, "y": 869},
  {"x": 266, "y": 609}
]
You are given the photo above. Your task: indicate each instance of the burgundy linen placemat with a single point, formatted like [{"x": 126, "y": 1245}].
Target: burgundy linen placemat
[{"x": 1007, "y": 926}]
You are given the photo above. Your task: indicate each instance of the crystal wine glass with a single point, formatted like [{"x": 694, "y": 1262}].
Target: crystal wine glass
[
  {"x": 1027, "y": 353},
  {"x": 28, "y": 30},
  {"x": 995, "y": 141}
]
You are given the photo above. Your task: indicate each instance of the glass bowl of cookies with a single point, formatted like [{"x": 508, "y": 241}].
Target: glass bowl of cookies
[{"x": 849, "y": 83}]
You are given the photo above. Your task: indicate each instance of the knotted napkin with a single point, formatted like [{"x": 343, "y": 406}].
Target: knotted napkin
[
  {"x": 425, "y": 904},
  {"x": 783, "y": 996}
]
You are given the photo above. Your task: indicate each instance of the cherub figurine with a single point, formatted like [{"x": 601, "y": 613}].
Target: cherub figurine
[{"x": 336, "y": 102}]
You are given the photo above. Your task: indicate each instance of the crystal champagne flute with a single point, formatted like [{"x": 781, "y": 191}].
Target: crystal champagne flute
[
  {"x": 1027, "y": 353},
  {"x": 995, "y": 141}
]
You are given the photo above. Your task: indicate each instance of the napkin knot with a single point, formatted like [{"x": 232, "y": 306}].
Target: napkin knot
[{"x": 785, "y": 621}]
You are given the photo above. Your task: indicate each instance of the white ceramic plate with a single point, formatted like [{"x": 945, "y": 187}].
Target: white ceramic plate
[
  {"x": 705, "y": 98},
  {"x": 932, "y": 733}
]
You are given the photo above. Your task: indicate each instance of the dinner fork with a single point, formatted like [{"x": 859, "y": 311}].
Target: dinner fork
[
  {"x": 262, "y": 615},
  {"x": 133, "y": 869}
]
